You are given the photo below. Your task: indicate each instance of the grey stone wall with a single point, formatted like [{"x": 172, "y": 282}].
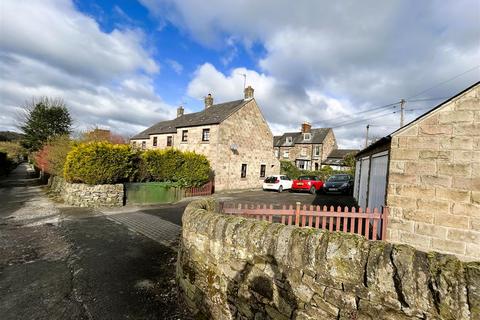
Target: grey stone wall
[
  {"x": 237, "y": 268},
  {"x": 84, "y": 195}
]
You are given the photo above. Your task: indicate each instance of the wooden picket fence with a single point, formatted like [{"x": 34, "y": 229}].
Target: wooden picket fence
[
  {"x": 205, "y": 190},
  {"x": 368, "y": 223}
]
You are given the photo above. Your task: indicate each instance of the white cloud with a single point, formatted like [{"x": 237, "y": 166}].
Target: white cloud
[
  {"x": 49, "y": 48},
  {"x": 175, "y": 65},
  {"x": 361, "y": 54}
]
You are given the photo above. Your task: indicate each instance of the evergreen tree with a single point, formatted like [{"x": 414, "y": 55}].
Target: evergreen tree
[{"x": 43, "y": 119}]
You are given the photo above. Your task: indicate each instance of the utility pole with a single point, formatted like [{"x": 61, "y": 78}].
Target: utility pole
[
  {"x": 402, "y": 111},
  {"x": 366, "y": 136}
]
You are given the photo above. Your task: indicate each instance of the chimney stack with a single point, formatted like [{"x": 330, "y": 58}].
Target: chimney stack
[
  {"x": 248, "y": 91},
  {"x": 306, "y": 127},
  {"x": 208, "y": 101},
  {"x": 180, "y": 111}
]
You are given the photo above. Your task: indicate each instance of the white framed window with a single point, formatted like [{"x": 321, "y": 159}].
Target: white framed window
[
  {"x": 144, "y": 145},
  {"x": 317, "y": 151},
  {"x": 289, "y": 140},
  {"x": 307, "y": 136},
  {"x": 286, "y": 153}
]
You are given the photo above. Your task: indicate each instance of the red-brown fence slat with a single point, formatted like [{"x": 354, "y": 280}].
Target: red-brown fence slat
[{"x": 374, "y": 230}]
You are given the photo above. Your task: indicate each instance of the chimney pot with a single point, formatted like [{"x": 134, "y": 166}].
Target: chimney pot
[
  {"x": 248, "y": 91},
  {"x": 180, "y": 111},
  {"x": 306, "y": 127},
  {"x": 208, "y": 101}
]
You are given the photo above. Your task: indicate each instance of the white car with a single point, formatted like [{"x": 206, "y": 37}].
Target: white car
[{"x": 277, "y": 182}]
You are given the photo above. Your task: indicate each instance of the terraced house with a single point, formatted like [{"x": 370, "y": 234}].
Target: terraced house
[
  {"x": 233, "y": 135},
  {"x": 307, "y": 148}
]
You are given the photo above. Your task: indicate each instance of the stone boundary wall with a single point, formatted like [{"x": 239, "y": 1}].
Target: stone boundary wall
[
  {"x": 236, "y": 268},
  {"x": 84, "y": 195}
]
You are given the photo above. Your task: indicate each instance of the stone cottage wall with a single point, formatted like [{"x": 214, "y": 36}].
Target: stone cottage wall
[
  {"x": 248, "y": 130},
  {"x": 434, "y": 180},
  {"x": 84, "y": 195},
  {"x": 237, "y": 268}
]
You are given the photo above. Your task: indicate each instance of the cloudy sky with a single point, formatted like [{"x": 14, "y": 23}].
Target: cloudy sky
[{"x": 125, "y": 65}]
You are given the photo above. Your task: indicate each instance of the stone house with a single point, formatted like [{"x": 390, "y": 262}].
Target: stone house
[
  {"x": 429, "y": 175},
  {"x": 336, "y": 159},
  {"x": 233, "y": 135},
  {"x": 307, "y": 149}
]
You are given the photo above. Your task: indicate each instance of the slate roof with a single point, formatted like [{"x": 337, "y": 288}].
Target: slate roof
[
  {"x": 341, "y": 153},
  {"x": 212, "y": 115},
  {"x": 318, "y": 135}
]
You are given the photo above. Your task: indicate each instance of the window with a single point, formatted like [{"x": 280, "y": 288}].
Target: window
[
  {"x": 184, "y": 135},
  {"x": 304, "y": 151},
  {"x": 316, "y": 166},
  {"x": 155, "y": 139},
  {"x": 262, "y": 170},
  {"x": 244, "y": 171},
  {"x": 317, "y": 151},
  {"x": 307, "y": 136},
  {"x": 134, "y": 144},
  {"x": 277, "y": 153},
  {"x": 285, "y": 153},
  {"x": 169, "y": 141},
  {"x": 144, "y": 145},
  {"x": 289, "y": 139},
  {"x": 206, "y": 135}
]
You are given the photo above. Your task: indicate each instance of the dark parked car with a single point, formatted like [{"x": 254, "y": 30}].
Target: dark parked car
[{"x": 339, "y": 183}]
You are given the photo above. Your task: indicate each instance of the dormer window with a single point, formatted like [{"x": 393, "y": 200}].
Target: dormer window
[
  {"x": 289, "y": 139},
  {"x": 307, "y": 136}
]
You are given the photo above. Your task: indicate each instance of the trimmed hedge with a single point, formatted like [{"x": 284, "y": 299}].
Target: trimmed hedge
[
  {"x": 195, "y": 170},
  {"x": 105, "y": 163},
  {"x": 186, "y": 168},
  {"x": 99, "y": 163}
]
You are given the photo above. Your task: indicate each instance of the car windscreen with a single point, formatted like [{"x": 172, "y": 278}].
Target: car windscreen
[
  {"x": 271, "y": 180},
  {"x": 338, "y": 178},
  {"x": 306, "y": 178}
]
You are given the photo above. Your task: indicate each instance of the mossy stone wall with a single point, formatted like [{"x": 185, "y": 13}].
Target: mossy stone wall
[{"x": 236, "y": 268}]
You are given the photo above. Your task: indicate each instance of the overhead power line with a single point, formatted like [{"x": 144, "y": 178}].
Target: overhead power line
[
  {"x": 443, "y": 82},
  {"x": 332, "y": 121}
]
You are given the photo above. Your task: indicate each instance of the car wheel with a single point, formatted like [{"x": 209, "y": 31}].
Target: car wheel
[
  {"x": 280, "y": 189},
  {"x": 313, "y": 190}
]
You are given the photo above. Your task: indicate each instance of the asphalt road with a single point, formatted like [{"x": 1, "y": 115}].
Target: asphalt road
[
  {"x": 74, "y": 263},
  {"x": 58, "y": 262}
]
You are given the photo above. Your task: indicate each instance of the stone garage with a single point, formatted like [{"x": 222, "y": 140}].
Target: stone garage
[{"x": 432, "y": 178}]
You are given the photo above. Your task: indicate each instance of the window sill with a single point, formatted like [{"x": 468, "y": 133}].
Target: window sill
[{"x": 205, "y": 142}]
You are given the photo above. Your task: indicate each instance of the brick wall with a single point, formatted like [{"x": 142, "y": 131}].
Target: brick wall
[{"x": 434, "y": 180}]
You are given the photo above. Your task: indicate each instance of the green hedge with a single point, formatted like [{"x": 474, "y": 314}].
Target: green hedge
[
  {"x": 186, "y": 168},
  {"x": 289, "y": 169},
  {"x": 6, "y": 164},
  {"x": 103, "y": 162},
  {"x": 99, "y": 163}
]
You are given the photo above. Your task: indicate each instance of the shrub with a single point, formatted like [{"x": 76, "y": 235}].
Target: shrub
[
  {"x": 51, "y": 158},
  {"x": 99, "y": 163},
  {"x": 289, "y": 169},
  {"x": 6, "y": 164},
  {"x": 195, "y": 170},
  {"x": 187, "y": 168},
  {"x": 15, "y": 152},
  {"x": 162, "y": 165}
]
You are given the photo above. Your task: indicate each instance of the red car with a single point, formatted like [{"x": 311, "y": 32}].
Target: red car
[{"x": 311, "y": 184}]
